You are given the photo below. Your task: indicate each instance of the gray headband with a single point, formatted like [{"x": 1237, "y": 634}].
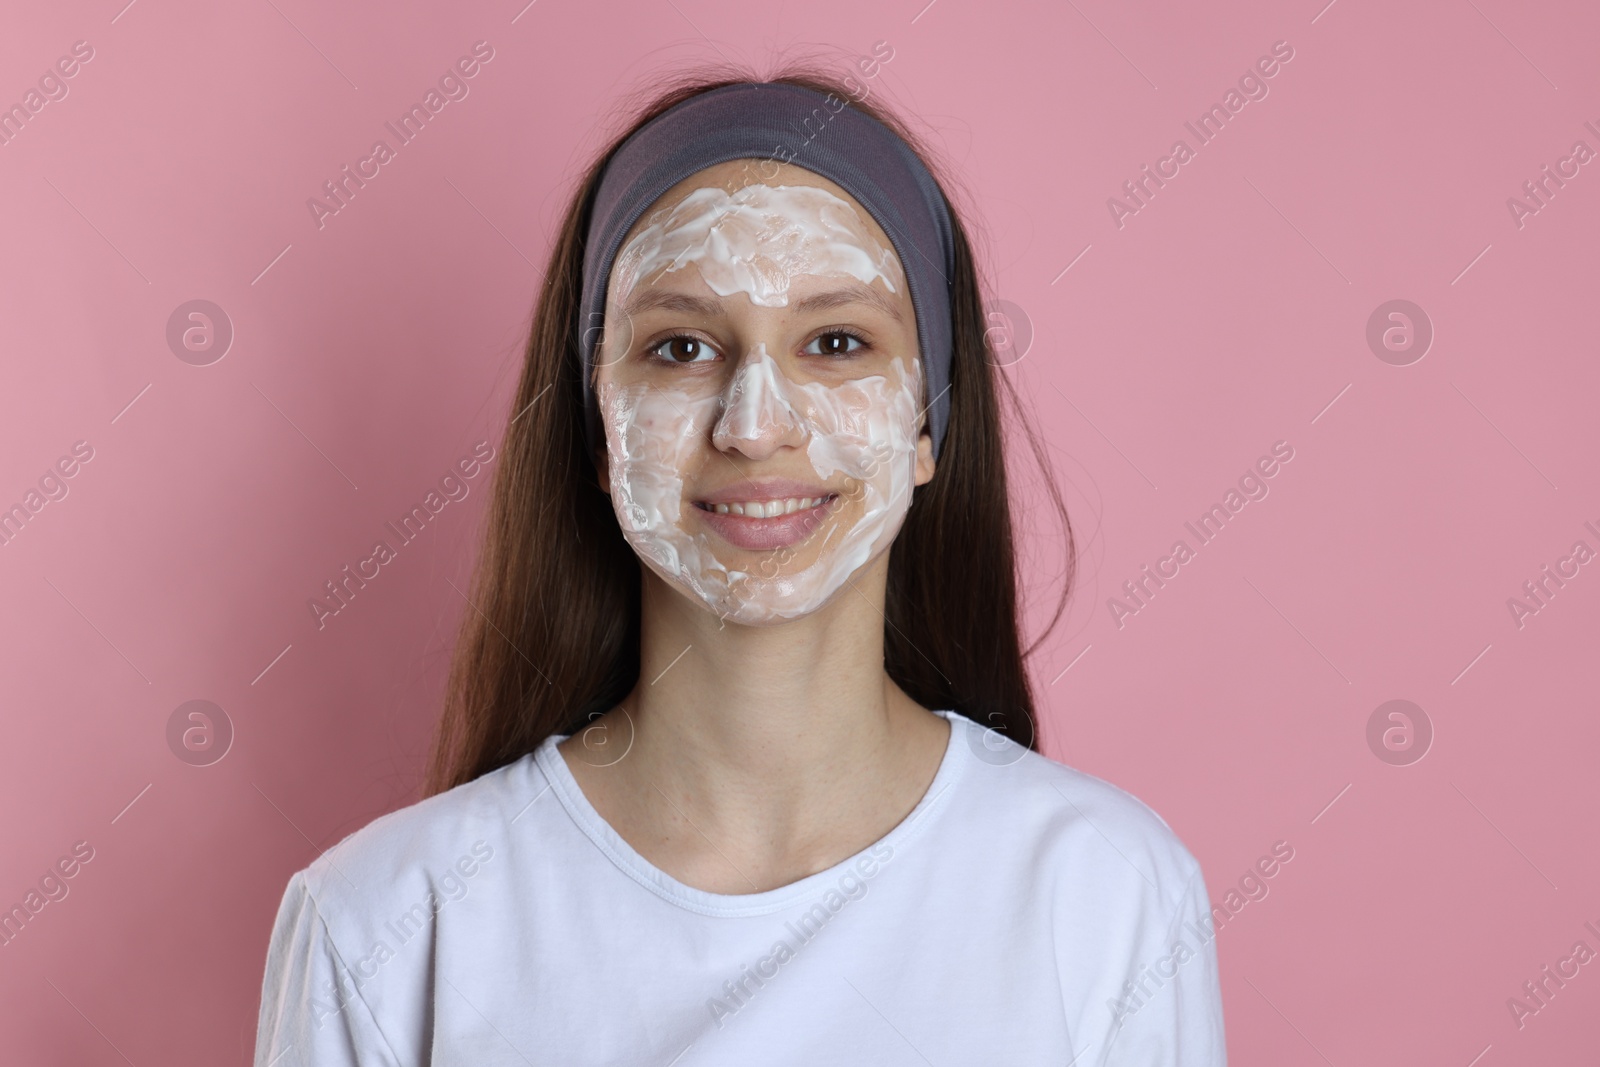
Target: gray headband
[{"x": 782, "y": 123}]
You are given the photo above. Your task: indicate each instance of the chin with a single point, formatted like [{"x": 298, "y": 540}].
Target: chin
[
  {"x": 769, "y": 610},
  {"x": 755, "y": 600},
  {"x": 734, "y": 596}
]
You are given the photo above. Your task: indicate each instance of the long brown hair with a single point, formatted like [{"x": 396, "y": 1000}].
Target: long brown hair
[{"x": 551, "y": 636}]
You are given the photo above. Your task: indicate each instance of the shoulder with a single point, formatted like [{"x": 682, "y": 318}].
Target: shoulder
[
  {"x": 1080, "y": 832},
  {"x": 353, "y": 911},
  {"x": 422, "y": 853}
]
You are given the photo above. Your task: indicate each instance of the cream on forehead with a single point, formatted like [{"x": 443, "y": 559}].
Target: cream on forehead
[{"x": 756, "y": 240}]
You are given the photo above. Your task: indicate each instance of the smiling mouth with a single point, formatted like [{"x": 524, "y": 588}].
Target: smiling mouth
[
  {"x": 766, "y": 525},
  {"x": 768, "y": 509}
]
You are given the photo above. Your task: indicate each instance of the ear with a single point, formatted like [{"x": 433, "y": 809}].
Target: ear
[{"x": 925, "y": 461}]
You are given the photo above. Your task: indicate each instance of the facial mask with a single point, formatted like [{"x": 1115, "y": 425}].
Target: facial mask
[{"x": 860, "y": 436}]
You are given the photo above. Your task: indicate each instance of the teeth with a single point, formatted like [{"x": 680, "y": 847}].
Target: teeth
[{"x": 766, "y": 509}]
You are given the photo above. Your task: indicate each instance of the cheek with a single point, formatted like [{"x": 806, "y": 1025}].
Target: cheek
[
  {"x": 867, "y": 430},
  {"x": 651, "y": 439}
]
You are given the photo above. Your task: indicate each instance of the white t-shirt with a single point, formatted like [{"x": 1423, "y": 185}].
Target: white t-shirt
[{"x": 1023, "y": 913}]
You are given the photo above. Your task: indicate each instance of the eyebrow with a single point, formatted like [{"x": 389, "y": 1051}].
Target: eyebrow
[
  {"x": 855, "y": 293},
  {"x": 708, "y": 307},
  {"x": 650, "y": 299}
]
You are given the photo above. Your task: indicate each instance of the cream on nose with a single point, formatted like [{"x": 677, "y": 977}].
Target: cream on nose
[{"x": 756, "y": 405}]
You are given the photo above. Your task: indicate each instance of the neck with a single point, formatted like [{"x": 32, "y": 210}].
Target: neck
[
  {"x": 777, "y": 699},
  {"x": 756, "y": 755}
]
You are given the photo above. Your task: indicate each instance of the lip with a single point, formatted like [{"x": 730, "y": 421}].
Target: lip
[{"x": 765, "y": 534}]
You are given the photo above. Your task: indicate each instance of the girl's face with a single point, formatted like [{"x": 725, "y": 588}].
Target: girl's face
[{"x": 761, "y": 391}]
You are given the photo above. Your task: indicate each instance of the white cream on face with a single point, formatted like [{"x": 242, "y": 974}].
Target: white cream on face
[
  {"x": 754, "y": 240},
  {"x": 860, "y": 436}
]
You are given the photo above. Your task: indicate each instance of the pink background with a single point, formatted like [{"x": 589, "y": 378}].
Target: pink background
[{"x": 1224, "y": 316}]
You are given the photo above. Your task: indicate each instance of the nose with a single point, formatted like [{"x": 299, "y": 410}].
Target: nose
[{"x": 758, "y": 417}]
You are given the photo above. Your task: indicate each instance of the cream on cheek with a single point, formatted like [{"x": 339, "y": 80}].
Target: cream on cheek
[
  {"x": 862, "y": 433},
  {"x": 865, "y": 431},
  {"x": 651, "y": 438}
]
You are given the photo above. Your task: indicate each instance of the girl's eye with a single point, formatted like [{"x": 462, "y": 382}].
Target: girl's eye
[
  {"x": 684, "y": 350},
  {"x": 835, "y": 343}
]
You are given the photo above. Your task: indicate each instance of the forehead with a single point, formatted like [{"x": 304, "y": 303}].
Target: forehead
[{"x": 736, "y": 174}]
